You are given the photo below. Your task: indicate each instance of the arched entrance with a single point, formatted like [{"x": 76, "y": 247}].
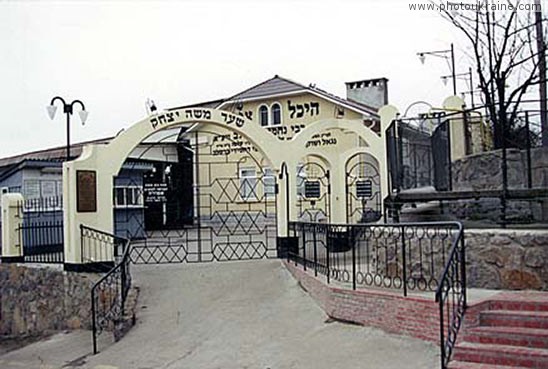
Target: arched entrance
[
  {"x": 218, "y": 203},
  {"x": 88, "y": 181}
]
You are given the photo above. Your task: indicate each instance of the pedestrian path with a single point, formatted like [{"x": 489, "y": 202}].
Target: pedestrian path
[{"x": 228, "y": 315}]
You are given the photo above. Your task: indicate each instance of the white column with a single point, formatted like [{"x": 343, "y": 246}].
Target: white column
[{"x": 12, "y": 219}]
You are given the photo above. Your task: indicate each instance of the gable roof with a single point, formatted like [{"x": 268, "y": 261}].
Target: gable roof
[
  {"x": 277, "y": 86},
  {"x": 274, "y": 86}
]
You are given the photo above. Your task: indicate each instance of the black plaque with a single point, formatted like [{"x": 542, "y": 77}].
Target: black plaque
[
  {"x": 312, "y": 189},
  {"x": 364, "y": 189},
  {"x": 86, "y": 191},
  {"x": 155, "y": 192}
]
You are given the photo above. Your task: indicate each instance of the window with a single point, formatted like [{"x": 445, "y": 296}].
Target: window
[
  {"x": 263, "y": 115},
  {"x": 248, "y": 184},
  {"x": 276, "y": 114},
  {"x": 42, "y": 188},
  {"x": 127, "y": 197},
  {"x": 269, "y": 183}
]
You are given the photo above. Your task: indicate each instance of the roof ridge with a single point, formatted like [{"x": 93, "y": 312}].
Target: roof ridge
[
  {"x": 276, "y": 76},
  {"x": 313, "y": 87}
]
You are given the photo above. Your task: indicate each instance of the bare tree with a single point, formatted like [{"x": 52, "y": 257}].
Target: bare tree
[{"x": 505, "y": 53}]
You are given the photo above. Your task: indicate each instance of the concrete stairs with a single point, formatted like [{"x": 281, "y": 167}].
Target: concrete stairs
[{"x": 512, "y": 333}]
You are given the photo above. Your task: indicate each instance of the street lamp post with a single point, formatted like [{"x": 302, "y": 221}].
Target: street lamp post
[
  {"x": 68, "y": 110},
  {"x": 466, "y": 74},
  {"x": 442, "y": 54}
]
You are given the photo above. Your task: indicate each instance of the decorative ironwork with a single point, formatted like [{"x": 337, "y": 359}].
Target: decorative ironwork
[
  {"x": 363, "y": 189},
  {"x": 227, "y": 209},
  {"x": 108, "y": 294},
  {"x": 406, "y": 256},
  {"x": 41, "y": 231},
  {"x": 451, "y": 297},
  {"x": 313, "y": 190}
]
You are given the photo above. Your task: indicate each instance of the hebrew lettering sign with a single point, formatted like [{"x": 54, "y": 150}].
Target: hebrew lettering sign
[
  {"x": 155, "y": 192},
  {"x": 364, "y": 189},
  {"x": 167, "y": 118},
  {"x": 312, "y": 189}
]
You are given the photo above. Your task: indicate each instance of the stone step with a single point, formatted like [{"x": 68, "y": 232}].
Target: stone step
[
  {"x": 514, "y": 318},
  {"x": 512, "y": 336},
  {"x": 469, "y": 365},
  {"x": 501, "y": 355},
  {"x": 528, "y": 301}
]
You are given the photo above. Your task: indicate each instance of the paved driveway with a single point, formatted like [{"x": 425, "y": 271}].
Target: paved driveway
[{"x": 235, "y": 315}]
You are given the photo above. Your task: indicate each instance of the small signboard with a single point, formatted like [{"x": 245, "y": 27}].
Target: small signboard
[
  {"x": 312, "y": 189},
  {"x": 364, "y": 189},
  {"x": 86, "y": 191},
  {"x": 155, "y": 192}
]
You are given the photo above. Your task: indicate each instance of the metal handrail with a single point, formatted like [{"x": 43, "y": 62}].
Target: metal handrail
[
  {"x": 452, "y": 280},
  {"x": 110, "y": 291}
]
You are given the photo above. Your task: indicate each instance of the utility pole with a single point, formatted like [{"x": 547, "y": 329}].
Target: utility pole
[{"x": 541, "y": 48}]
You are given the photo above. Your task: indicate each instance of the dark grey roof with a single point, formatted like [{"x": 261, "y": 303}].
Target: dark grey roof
[
  {"x": 273, "y": 86},
  {"x": 280, "y": 85},
  {"x": 53, "y": 154}
]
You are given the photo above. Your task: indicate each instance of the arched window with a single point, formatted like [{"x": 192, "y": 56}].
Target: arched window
[
  {"x": 263, "y": 115},
  {"x": 276, "y": 114}
]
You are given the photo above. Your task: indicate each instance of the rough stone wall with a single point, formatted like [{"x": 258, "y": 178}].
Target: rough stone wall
[
  {"x": 483, "y": 172},
  {"x": 35, "y": 300},
  {"x": 507, "y": 259}
]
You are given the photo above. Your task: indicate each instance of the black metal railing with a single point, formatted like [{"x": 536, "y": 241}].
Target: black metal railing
[
  {"x": 108, "y": 294},
  {"x": 41, "y": 229},
  {"x": 100, "y": 247},
  {"x": 451, "y": 297},
  {"x": 402, "y": 256},
  {"x": 406, "y": 256}
]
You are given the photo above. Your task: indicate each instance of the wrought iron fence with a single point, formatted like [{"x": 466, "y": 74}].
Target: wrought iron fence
[
  {"x": 41, "y": 231},
  {"x": 404, "y": 256},
  {"x": 451, "y": 297},
  {"x": 108, "y": 294}
]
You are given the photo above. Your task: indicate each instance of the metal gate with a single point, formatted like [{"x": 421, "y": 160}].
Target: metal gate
[
  {"x": 363, "y": 190},
  {"x": 227, "y": 211},
  {"x": 313, "y": 190}
]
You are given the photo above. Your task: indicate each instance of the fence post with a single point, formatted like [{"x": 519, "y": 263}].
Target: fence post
[
  {"x": 12, "y": 222},
  {"x": 353, "y": 245},
  {"x": 315, "y": 252},
  {"x": 304, "y": 248},
  {"x": 404, "y": 261},
  {"x": 463, "y": 265},
  {"x": 327, "y": 244}
]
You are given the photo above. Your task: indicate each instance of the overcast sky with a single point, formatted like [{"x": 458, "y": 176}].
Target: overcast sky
[{"x": 115, "y": 55}]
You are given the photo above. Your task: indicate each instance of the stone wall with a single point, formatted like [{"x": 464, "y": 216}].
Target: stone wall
[
  {"x": 507, "y": 259},
  {"x": 483, "y": 172},
  {"x": 35, "y": 300}
]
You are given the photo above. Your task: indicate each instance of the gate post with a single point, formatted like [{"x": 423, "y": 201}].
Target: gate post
[
  {"x": 284, "y": 242},
  {"x": 337, "y": 178},
  {"x": 457, "y": 128},
  {"x": 12, "y": 221}
]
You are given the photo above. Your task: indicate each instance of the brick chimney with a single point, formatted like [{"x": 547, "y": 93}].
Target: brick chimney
[{"x": 370, "y": 92}]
